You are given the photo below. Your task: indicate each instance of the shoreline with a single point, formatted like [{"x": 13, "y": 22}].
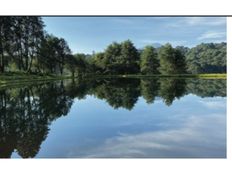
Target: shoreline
[
  {"x": 24, "y": 78},
  {"x": 213, "y": 76},
  {"x": 28, "y": 78}
]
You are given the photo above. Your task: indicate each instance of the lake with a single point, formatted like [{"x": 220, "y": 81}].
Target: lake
[{"x": 114, "y": 118}]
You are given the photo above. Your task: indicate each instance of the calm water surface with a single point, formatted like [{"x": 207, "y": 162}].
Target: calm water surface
[{"x": 141, "y": 118}]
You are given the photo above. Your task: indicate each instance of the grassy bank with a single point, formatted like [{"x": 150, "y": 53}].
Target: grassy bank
[
  {"x": 208, "y": 76},
  {"x": 15, "y": 78}
]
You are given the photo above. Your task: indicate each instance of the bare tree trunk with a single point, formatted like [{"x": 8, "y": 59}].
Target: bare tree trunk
[{"x": 2, "y": 66}]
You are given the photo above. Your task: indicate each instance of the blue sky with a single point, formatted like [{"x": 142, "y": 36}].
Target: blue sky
[{"x": 87, "y": 34}]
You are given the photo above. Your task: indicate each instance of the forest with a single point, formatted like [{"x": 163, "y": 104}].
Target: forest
[{"x": 25, "y": 47}]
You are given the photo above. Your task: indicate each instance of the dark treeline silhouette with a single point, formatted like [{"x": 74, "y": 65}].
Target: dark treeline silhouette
[
  {"x": 27, "y": 111},
  {"x": 26, "y": 47}
]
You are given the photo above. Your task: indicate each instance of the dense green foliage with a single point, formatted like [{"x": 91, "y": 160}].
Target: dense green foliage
[
  {"x": 118, "y": 58},
  {"x": 172, "y": 61},
  {"x": 149, "y": 61},
  {"x": 26, "y": 47},
  {"x": 53, "y": 54},
  {"x": 20, "y": 39},
  {"x": 166, "y": 60},
  {"x": 207, "y": 58}
]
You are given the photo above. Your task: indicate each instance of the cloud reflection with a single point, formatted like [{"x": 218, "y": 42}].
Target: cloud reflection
[{"x": 198, "y": 137}]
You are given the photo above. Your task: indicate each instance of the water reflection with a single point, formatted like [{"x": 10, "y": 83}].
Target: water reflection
[{"x": 26, "y": 112}]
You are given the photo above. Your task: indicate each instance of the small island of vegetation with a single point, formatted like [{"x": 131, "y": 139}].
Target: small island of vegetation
[{"x": 28, "y": 52}]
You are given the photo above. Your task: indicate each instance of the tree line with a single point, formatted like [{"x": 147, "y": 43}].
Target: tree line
[
  {"x": 124, "y": 58},
  {"x": 26, "y": 47}
]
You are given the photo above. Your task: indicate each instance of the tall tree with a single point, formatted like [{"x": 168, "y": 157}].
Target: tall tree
[
  {"x": 149, "y": 62},
  {"x": 129, "y": 59},
  {"x": 47, "y": 60},
  {"x": 121, "y": 58},
  {"x": 53, "y": 54},
  {"x": 98, "y": 60},
  {"x": 172, "y": 61},
  {"x": 26, "y": 40},
  {"x": 111, "y": 57},
  {"x": 6, "y": 32},
  {"x": 63, "y": 50}
]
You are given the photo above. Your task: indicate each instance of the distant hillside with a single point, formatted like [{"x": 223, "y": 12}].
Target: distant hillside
[{"x": 206, "y": 58}]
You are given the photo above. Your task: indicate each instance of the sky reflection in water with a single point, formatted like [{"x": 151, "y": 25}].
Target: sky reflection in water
[{"x": 191, "y": 126}]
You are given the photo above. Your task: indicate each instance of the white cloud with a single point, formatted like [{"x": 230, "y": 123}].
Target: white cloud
[
  {"x": 193, "y": 21},
  {"x": 212, "y": 35},
  {"x": 213, "y": 104},
  {"x": 199, "y": 21}
]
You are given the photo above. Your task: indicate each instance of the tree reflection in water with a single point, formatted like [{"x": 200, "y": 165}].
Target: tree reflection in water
[{"x": 27, "y": 112}]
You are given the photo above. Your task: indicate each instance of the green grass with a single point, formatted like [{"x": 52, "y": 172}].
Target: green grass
[
  {"x": 212, "y": 75},
  {"x": 221, "y": 76},
  {"x": 15, "y": 78}
]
